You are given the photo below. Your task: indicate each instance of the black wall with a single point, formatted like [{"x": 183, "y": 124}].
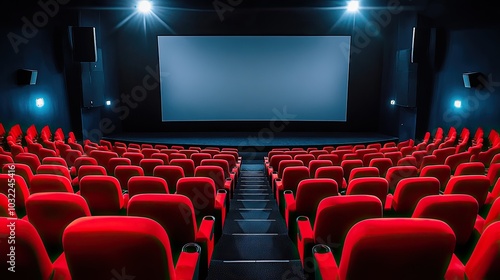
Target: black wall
[
  {"x": 464, "y": 41},
  {"x": 32, "y": 38}
]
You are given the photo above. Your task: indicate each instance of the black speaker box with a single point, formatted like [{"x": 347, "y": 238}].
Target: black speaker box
[
  {"x": 26, "y": 77},
  {"x": 472, "y": 79},
  {"x": 84, "y": 44},
  {"x": 420, "y": 44}
]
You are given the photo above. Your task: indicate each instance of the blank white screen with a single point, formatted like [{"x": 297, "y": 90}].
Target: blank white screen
[{"x": 253, "y": 78}]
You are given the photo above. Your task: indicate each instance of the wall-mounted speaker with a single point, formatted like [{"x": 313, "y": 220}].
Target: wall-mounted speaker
[
  {"x": 472, "y": 79},
  {"x": 26, "y": 77},
  {"x": 83, "y": 40},
  {"x": 420, "y": 44}
]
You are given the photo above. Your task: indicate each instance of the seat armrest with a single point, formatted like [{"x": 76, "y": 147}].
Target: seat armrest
[
  {"x": 290, "y": 205},
  {"x": 456, "y": 270},
  {"x": 324, "y": 262},
  {"x": 304, "y": 229},
  {"x": 206, "y": 231},
  {"x": 187, "y": 267},
  {"x": 220, "y": 199}
]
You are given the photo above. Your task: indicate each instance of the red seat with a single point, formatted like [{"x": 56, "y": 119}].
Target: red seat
[
  {"x": 360, "y": 172},
  {"x": 188, "y": 152},
  {"x": 50, "y": 183},
  {"x": 408, "y": 193},
  {"x": 274, "y": 162},
  {"x": 31, "y": 258},
  {"x": 335, "y": 217},
  {"x": 21, "y": 191},
  {"x": 186, "y": 164},
  {"x": 331, "y": 157},
  {"x": 5, "y": 159},
  {"x": 114, "y": 162},
  {"x": 55, "y": 161},
  {"x": 493, "y": 174},
  {"x": 85, "y": 170},
  {"x": 291, "y": 178},
  {"x": 50, "y": 213},
  {"x": 397, "y": 173},
  {"x": 124, "y": 172},
  {"x": 147, "y": 152},
  {"x": 376, "y": 186},
  {"x": 493, "y": 216},
  {"x": 135, "y": 157},
  {"x": 394, "y": 156},
  {"x": 29, "y": 159},
  {"x": 198, "y": 157},
  {"x": 180, "y": 225},
  {"x": 305, "y": 158},
  {"x": 161, "y": 156},
  {"x": 349, "y": 165},
  {"x": 484, "y": 262},
  {"x": 146, "y": 184},
  {"x": 474, "y": 185},
  {"x": 408, "y": 161},
  {"x": 306, "y": 200},
  {"x": 103, "y": 158},
  {"x": 382, "y": 164},
  {"x": 317, "y": 163},
  {"x": 278, "y": 173},
  {"x": 455, "y": 159},
  {"x": 470, "y": 168},
  {"x": 443, "y": 153},
  {"x": 368, "y": 157},
  {"x": 171, "y": 174},
  {"x": 333, "y": 172},
  {"x": 20, "y": 169},
  {"x": 459, "y": 211},
  {"x": 390, "y": 248},
  {"x": 54, "y": 169},
  {"x": 44, "y": 152},
  {"x": 440, "y": 171},
  {"x": 127, "y": 245},
  {"x": 103, "y": 195},
  {"x": 316, "y": 153},
  {"x": 84, "y": 160},
  {"x": 149, "y": 164},
  {"x": 207, "y": 201},
  {"x": 216, "y": 173}
]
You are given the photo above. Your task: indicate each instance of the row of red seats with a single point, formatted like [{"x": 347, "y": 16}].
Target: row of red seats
[
  {"x": 99, "y": 247},
  {"x": 407, "y": 248}
]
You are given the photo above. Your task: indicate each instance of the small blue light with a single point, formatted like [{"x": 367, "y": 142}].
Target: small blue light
[
  {"x": 40, "y": 102},
  {"x": 457, "y": 104},
  {"x": 393, "y": 102},
  {"x": 108, "y": 102}
]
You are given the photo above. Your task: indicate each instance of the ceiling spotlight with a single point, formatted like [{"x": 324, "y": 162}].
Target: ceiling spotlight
[
  {"x": 457, "y": 104},
  {"x": 144, "y": 7},
  {"x": 352, "y": 6},
  {"x": 393, "y": 102}
]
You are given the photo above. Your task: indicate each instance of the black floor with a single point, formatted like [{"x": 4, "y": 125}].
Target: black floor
[{"x": 255, "y": 243}]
